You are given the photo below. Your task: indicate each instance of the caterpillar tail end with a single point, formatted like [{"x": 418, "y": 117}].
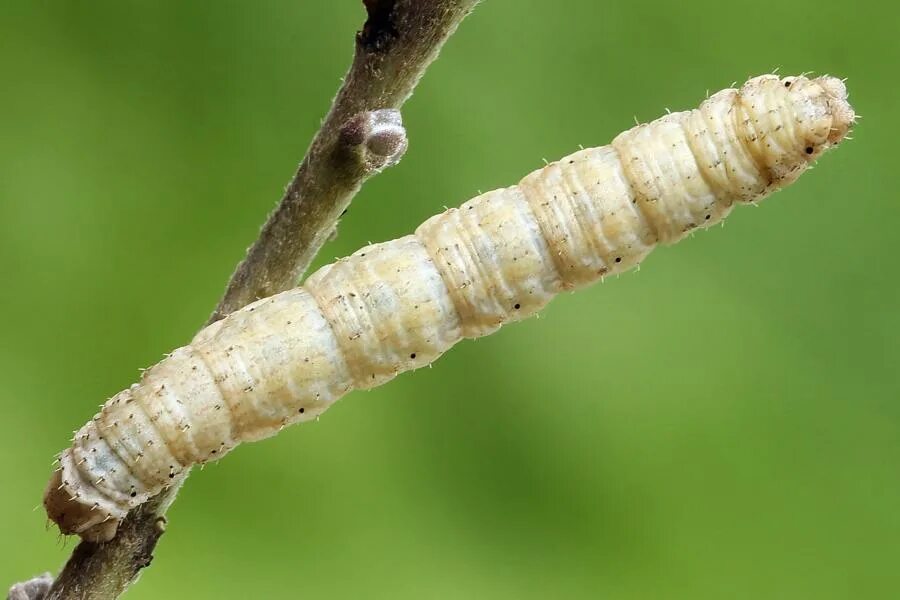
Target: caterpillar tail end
[
  {"x": 75, "y": 516},
  {"x": 842, "y": 114}
]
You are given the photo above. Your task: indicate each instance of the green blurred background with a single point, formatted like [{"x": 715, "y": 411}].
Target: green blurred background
[{"x": 723, "y": 424}]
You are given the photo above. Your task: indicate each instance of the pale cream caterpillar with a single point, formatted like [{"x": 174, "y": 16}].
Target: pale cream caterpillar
[{"x": 398, "y": 305}]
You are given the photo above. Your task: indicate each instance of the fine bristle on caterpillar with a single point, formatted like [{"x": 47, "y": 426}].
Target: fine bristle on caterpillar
[{"x": 398, "y": 305}]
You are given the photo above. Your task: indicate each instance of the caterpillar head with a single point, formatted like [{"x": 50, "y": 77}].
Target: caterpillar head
[
  {"x": 76, "y": 510},
  {"x": 792, "y": 120},
  {"x": 842, "y": 115}
]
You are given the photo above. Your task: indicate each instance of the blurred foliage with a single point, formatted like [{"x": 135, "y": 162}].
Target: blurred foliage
[{"x": 724, "y": 423}]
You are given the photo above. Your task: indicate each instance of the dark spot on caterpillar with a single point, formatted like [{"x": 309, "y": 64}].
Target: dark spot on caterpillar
[
  {"x": 517, "y": 306},
  {"x": 301, "y": 411},
  {"x": 413, "y": 355},
  {"x": 133, "y": 493},
  {"x": 809, "y": 149},
  {"x": 787, "y": 83},
  {"x": 618, "y": 259},
  {"x": 171, "y": 475},
  {"x": 707, "y": 217}
]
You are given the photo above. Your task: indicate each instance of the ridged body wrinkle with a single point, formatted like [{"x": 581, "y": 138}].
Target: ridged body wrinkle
[{"x": 398, "y": 305}]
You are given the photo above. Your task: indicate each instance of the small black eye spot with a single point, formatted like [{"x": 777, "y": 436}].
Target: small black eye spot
[
  {"x": 413, "y": 355},
  {"x": 517, "y": 306},
  {"x": 809, "y": 149},
  {"x": 302, "y": 410},
  {"x": 787, "y": 83},
  {"x": 133, "y": 493},
  {"x": 618, "y": 259}
]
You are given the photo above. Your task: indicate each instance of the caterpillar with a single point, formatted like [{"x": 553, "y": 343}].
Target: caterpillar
[{"x": 398, "y": 305}]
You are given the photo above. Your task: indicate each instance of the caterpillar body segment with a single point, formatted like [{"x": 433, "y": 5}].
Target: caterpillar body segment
[{"x": 398, "y": 305}]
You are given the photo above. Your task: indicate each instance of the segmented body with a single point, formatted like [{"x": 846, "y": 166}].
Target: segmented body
[{"x": 396, "y": 306}]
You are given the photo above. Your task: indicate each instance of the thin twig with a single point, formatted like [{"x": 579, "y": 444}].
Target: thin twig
[{"x": 360, "y": 136}]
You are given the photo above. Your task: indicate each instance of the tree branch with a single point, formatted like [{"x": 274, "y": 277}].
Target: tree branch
[{"x": 361, "y": 135}]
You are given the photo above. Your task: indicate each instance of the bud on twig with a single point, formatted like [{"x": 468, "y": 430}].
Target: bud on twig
[
  {"x": 377, "y": 137},
  {"x": 33, "y": 589}
]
